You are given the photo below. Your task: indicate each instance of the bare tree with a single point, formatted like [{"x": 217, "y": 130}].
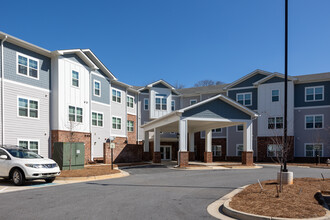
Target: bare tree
[
  {"x": 207, "y": 82},
  {"x": 178, "y": 85}
]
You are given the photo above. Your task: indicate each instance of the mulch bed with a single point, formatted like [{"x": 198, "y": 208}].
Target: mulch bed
[
  {"x": 94, "y": 170},
  {"x": 296, "y": 201}
]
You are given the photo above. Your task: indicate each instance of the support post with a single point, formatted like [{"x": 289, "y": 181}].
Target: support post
[
  {"x": 208, "y": 157},
  {"x": 247, "y": 154},
  {"x": 146, "y": 153},
  {"x": 156, "y": 157},
  {"x": 191, "y": 146},
  {"x": 183, "y": 159}
]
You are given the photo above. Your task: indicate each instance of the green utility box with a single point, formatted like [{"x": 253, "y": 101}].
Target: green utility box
[{"x": 62, "y": 155}]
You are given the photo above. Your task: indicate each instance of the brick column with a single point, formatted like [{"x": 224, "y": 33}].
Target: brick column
[
  {"x": 146, "y": 156},
  {"x": 156, "y": 158},
  {"x": 106, "y": 153},
  {"x": 247, "y": 158},
  {"x": 208, "y": 157},
  {"x": 184, "y": 156}
]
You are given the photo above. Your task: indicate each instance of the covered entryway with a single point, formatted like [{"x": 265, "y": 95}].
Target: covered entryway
[
  {"x": 216, "y": 112},
  {"x": 165, "y": 152}
]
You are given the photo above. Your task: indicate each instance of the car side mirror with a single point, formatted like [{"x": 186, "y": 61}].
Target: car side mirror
[{"x": 3, "y": 157}]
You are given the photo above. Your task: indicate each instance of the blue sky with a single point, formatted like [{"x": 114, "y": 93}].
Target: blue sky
[{"x": 180, "y": 41}]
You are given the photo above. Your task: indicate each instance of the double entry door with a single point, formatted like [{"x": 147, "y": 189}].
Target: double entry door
[{"x": 166, "y": 152}]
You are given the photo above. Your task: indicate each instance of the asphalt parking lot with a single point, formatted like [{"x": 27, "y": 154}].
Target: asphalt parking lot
[{"x": 150, "y": 192}]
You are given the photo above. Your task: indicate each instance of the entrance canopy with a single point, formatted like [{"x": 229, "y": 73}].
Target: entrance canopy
[{"x": 216, "y": 112}]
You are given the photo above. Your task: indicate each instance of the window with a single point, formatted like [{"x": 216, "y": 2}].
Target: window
[
  {"x": 161, "y": 103},
  {"x": 244, "y": 98},
  {"x": 216, "y": 149},
  {"x": 239, "y": 149},
  {"x": 275, "y": 95},
  {"x": 146, "y": 104},
  {"x": 75, "y": 78},
  {"x": 28, "y": 108},
  {"x": 27, "y": 66},
  {"x": 314, "y": 94},
  {"x": 274, "y": 150},
  {"x": 30, "y": 145},
  {"x": 116, "y": 123},
  {"x": 239, "y": 128},
  {"x": 97, "y": 88},
  {"x": 75, "y": 114},
  {"x": 313, "y": 150},
  {"x": 130, "y": 126},
  {"x": 97, "y": 119},
  {"x": 173, "y": 105},
  {"x": 313, "y": 121},
  {"x": 116, "y": 96},
  {"x": 193, "y": 101},
  {"x": 130, "y": 101},
  {"x": 217, "y": 130},
  {"x": 275, "y": 123}
]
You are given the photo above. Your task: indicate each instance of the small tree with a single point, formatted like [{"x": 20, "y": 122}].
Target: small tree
[{"x": 207, "y": 82}]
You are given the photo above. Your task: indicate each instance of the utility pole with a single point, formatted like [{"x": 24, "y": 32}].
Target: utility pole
[{"x": 285, "y": 144}]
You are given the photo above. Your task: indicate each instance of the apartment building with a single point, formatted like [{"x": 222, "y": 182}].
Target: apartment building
[{"x": 69, "y": 95}]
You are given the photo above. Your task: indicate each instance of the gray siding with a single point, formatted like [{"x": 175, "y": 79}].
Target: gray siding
[
  {"x": 221, "y": 134},
  {"x": 299, "y": 92},
  {"x": 160, "y": 85},
  {"x": 27, "y": 128},
  {"x": 105, "y": 89},
  {"x": 254, "y": 106},
  {"x": 274, "y": 80},
  {"x": 10, "y": 60},
  {"x": 186, "y": 100},
  {"x": 250, "y": 81},
  {"x": 303, "y": 136},
  {"x": 216, "y": 109}
]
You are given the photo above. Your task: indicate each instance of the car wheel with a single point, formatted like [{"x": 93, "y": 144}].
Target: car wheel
[
  {"x": 18, "y": 177},
  {"x": 50, "y": 180}
]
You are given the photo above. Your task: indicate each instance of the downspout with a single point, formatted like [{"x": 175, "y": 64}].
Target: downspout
[
  {"x": 137, "y": 118},
  {"x": 90, "y": 112},
  {"x": 2, "y": 92}
]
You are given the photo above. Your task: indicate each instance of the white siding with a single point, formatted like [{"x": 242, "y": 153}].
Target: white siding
[
  {"x": 132, "y": 111},
  {"x": 119, "y": 110},
  {"x": 159, "y": 113},
  {"x": 267, "y": 108},
  {"x": 27, "y": 128}
]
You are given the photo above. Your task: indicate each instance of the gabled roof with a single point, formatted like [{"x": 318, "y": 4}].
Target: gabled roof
[
  {"x": 79, "y": 53},
  {"x": 24, "y": 44},
  {"x": 280, "y": 75},
  {"x": 166, "y": 84},
  {"x": 313, "y": 77},
  {"x": 98, "y": 63},
  {"x": 255, "y": 72},
  {"x": 202, "y": 90}
]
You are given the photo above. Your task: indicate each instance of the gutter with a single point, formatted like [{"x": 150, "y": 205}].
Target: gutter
[{"x": 2, "y": 92}]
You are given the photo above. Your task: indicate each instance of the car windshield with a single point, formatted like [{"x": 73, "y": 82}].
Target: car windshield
[{"x": 23, "y": 153}]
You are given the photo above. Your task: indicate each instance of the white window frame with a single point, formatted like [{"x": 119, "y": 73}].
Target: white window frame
[
  {"x": 172, "y": 105},
  {"x": 314, "y": 87},
  {"x": 281, "y": 147},
  {"x": 29, "y": 140},
  {"x": 97, "y": 119},
  {"x": 75, "y": 114},
  {"x": 96, "y": 81},
  {"x": 313, "y": 149},
  {"x": 274, "y": 96},
  {"x": 73, "y": 86},
  {"x": 127, "y": 101},
  {"x": 28, "y": 65},
  {"x": 121, "y": 123},
  {"x": 161, "y": 103},
  {"x": 28, "y": 108},
  {"x": 214, "y": 152},
  {"x": 244, "y": 93},
  {"x": 314, "y": 122},
  {"x": 275, "y": 122},
  {"x": 128, "y": 126},
  {"x": 216, "y": 132},
  {"x": 144, "y": 104},
  {"x": 239, "y": 130},
  {"x": 121, "y": 97},
  {"x": 237, "y": 145},
  {"x": 192, "y": 100}
]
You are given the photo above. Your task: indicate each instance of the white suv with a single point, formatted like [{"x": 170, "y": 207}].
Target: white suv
[{"x": 20, "y": 164}]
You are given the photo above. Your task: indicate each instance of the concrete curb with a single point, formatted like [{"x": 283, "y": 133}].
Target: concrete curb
[
  {"x": 217, "y": 168},
  {"x": 223, "y": 205},
  {"x": 101, "y": 177}
]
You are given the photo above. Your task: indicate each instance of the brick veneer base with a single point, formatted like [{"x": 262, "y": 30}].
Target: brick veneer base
[
  {"x": 208, "y": 157},
  {"x": 146, "y": 156},
  {"x": 156, "y": 157},
  {"x": 184, "y": 158},
  {"x": 106, "y": 153},
  {"x": 247, "y": 158}
]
